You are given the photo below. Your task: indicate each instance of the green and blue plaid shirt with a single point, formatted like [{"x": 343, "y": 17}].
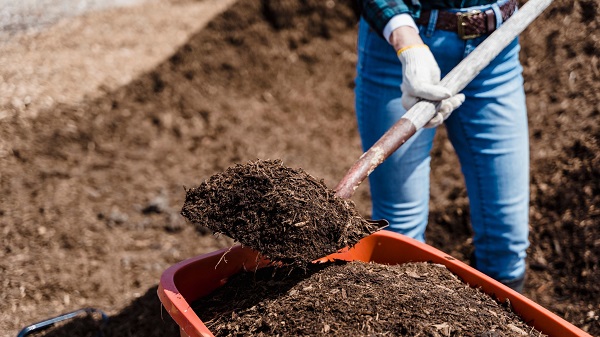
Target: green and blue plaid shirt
[{"x": 378, "y": 12}]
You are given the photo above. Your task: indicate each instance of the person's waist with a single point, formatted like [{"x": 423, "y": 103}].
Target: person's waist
[
  {"x": 458, "y": 5},
  {"x": 469, "y": 22}
]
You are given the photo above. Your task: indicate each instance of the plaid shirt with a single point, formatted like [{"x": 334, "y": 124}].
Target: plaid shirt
[{"x": 378, "y": 12}]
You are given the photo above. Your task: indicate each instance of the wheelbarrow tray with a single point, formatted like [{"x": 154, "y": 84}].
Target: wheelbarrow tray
[{"x": 189, "y": 280}]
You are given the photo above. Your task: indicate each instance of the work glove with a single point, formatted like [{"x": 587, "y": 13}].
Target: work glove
[{"x": 420, "y": 80}]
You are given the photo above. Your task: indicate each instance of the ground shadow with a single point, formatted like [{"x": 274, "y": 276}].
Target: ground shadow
[{"x": 143, "y": 317}]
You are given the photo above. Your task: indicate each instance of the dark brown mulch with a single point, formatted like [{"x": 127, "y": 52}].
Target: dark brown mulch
[
  {"x": 284, "y": 213},
  {"x": 260, "y": 83},
  {"x": 356, "y": 299}
]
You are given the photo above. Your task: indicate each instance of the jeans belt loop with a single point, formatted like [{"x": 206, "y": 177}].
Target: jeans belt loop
[
  {"x": 433, "y": 15},
  {"x": 498, "y": 14}
]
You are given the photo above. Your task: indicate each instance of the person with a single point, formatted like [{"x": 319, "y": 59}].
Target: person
[{"x": 404, "y": 48}]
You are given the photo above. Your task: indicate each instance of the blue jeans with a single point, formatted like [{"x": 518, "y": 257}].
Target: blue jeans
[{"x": 489, "y": 134}]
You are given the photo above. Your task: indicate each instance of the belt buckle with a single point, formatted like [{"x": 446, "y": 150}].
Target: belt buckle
[{"x": 462, "y": 24}]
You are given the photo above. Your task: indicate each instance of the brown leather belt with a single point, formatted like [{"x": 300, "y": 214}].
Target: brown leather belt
[{"x": 469, "y": 25}]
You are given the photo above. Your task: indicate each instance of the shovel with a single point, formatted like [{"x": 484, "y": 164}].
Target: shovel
[{"x": 424, "y": 111}]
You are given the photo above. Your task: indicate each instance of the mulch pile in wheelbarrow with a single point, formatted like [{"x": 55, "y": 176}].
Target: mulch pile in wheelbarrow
[
  {"x": 288, "y": 215},
  {"x": 284, "y": 213},
  {"x": 356, "y": 299}
]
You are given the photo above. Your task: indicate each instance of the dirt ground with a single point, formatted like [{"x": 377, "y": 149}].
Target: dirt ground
[
  {"x": 35, "y": 15},
  {"x": 105, "y": 118}
]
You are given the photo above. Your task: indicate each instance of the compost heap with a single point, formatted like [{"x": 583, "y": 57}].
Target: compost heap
[
  {"x": 356, "y": 299},
  {"x": 285, "y": 214}
]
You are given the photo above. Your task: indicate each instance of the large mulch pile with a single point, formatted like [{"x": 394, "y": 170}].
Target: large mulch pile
[
  {"x": 356, "y": 299},
  {"x": 91, "y": 192}
]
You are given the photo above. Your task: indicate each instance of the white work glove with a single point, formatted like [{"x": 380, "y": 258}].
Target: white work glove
[{"x": 420, "y": 80}]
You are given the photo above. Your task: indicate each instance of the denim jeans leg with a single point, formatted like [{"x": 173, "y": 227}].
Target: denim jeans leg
[{"x": 490, "y": 135}]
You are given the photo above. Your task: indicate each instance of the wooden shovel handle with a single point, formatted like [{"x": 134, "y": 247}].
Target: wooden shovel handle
[{"x": 424, "y": 111}]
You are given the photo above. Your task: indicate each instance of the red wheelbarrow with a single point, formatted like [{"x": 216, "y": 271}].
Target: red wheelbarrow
[{"x": 189, "y": 280}]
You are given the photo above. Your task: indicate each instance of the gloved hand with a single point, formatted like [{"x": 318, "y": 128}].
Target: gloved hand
[{"x": 420, "y": 80}]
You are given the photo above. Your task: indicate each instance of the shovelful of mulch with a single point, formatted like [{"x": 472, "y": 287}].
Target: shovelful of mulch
[{"x": 285, "y": 214}]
